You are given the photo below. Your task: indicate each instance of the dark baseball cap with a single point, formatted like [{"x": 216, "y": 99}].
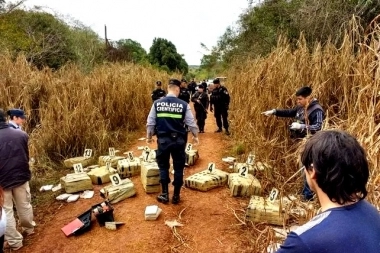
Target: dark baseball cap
[
  {"x": 175, "y": 82},
  {"x": 17, "y": 112},
  {"x": 158, "y": 83},
  {"x": 201, "y": 86},
  {"x": 216, "y": 81},
  {"x": 183, "y": 81}
]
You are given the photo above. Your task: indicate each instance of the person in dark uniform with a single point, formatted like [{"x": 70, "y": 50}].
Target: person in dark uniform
[
  {"x": 201, "y": 101},
  {"x": 311, "y": 122},
  {"x": 303, "y": 124},
  {"x": 16, "y": 118},
  {"x": 170, "y": 115},
  {"x": 219, "y": 104},
  {"x": 184, "y": 93},
  {"x": 158, "y": 92},
  {"x": 192, "y": 86}
]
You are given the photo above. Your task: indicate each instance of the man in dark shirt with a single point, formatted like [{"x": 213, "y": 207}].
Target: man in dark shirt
[
  {"x": 336, "y": 169},
  {"x": 158, "y": 92},
  {"x": 184, "y": 93},
  {"x": 219, "y": 104},
  {"x": 201, "y": 101},
  {"x": 14, "y": 179},
  {"x": 308, "y": 116}
]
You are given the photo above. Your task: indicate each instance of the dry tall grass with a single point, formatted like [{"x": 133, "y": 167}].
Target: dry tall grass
[
  {"x": 69, "y": 111},
  {"x": 346, "y": 82}
]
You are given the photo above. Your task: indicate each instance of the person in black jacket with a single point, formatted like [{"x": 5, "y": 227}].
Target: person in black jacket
[
  {"x": 201, "y": 101},
  {"x": 308, "y": 114},
  {"x": 184, "y": 93},
  {"x": 219, "y": 104},
  {"x": 308, "y": 118},
  {"x": 158, "y": 92},
  {"x": 14, "y": 179}
]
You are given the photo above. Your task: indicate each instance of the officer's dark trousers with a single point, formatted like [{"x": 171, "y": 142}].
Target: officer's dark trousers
[
  {"x": 201, "y": 116},
  {"x": 176, "y": 148},
  {"x": 1, "y": 244},
  {"x": 221, "y": 113}
]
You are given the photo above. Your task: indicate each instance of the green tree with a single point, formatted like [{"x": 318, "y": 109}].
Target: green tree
[
  {"x": 136, "y": 52},
  {"x": 163, "y": 54},
  {"x": 44, "y": 39}
]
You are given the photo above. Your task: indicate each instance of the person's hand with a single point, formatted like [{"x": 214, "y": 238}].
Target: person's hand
[
  {"x": 149, "y": 140},
  {"x": 268, "y": 113},
  {"x": 296, "y": 126},
  {"x": 195, "y": 141},
  {"x": 211, "y": 109}
]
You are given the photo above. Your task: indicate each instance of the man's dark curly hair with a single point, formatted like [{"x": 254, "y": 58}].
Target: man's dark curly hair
[{"x": 340, "y": 165}]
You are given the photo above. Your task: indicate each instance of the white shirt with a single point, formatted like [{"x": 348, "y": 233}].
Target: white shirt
[
  {"x": 3, "y": 222},
  {"x": 14, "y": 124}
]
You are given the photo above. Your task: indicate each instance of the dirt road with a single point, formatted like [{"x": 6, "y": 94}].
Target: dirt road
[{"x": 209, "y": 223}]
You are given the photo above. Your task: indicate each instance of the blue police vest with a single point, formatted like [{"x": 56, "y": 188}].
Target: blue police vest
[{"x": 170, "y": 113}]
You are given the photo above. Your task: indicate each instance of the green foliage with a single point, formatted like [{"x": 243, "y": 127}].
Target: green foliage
[
  {"x": 44, "y": 39},
  {"x": 87, "y": 47},
  {"x": 261, "y": 25},
  {"x": 163, "y": 54},
  {"x": 136, "y": 52}
]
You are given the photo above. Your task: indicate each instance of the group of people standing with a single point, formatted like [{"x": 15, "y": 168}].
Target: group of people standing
[
  {"x": 218, "y": 102},
  {"x": 14, "y": 180}
]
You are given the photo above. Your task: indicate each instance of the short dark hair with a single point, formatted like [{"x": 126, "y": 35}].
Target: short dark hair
[
  {"x": 174, "y": 82},
  {"x": 3, "y": 117},
  {"x": 304, "y": 92},
  {"x": 216, "y": 81},
  {"x": 340, "y": 165},
  {"x": 158, "y": 83}
]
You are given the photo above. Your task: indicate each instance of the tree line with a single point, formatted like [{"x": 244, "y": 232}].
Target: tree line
[
  {"x": 261, "y": 24},
  {"x": 48, "y": 40}
]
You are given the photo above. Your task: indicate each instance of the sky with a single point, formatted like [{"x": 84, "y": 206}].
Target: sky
[{"x": 186, "y": 23}]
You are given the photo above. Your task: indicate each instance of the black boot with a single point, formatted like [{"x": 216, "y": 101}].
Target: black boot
[
  {"x": 164, "y": 196},
  {"x": 227, "y": 132},
  {"x": 176, "y": 198},
  {"x": 219, "y": 130}
]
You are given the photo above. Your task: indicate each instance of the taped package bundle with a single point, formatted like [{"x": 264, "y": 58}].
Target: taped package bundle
[
  {"x": 263, "y": 210},
  {"x": 150, "y": 177},
  {"x": 117, "y": 193},
  {"x": 243, "y": 186},
  {"x": 127, "y": 168},
  {"x": 113, "y": 159},
  {"x": 252, "y": 169},
  {"x": 76, "y": 182},
  {"x": 80, "y": 159},
  {"x": 205, "y": 180},
  {"x": 191, "y": 157},
  {"x": 148, "y": 155},
  {"x": 100, "y": 175}
]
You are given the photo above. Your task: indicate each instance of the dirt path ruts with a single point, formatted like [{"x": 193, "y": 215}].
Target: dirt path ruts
[{"x": 209, "y": 224}]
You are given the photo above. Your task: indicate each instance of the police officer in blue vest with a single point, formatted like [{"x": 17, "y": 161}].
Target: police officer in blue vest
[{"x": 170, "y": 115}]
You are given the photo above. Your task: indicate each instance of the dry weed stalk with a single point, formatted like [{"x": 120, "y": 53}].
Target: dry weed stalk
[{"x": 346, "y": 82}]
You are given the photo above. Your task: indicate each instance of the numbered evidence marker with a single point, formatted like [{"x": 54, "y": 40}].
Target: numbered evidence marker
[
  {"x": 273, "y": 195},
  {"x": 211, "y": 168},
  {"x": 78, "y": 167},
  {"x": 111, "y": 152},
  {"x": 250, "y": 159},
  {"x": 189, "y": 147},
  {"x": 115, "y": 179},
  {"x": 243, "y": 171},
  {"x": 87, "y": 153},
  {"x": 130, "y": 156},
  {"x": 108, "y": 165}
]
